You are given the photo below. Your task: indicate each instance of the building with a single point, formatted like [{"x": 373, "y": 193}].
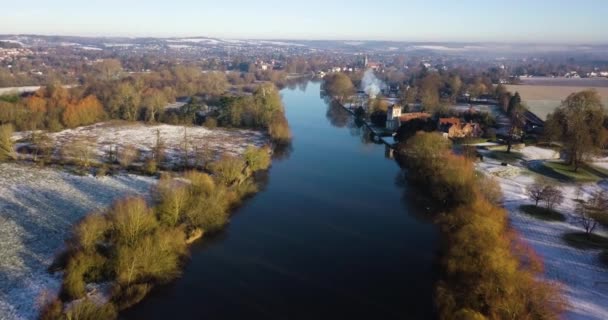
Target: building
[
  {"x": 454, "y": 128},
  {"x": 405, "y": 117},
  {"x": 393, "y": 117}
]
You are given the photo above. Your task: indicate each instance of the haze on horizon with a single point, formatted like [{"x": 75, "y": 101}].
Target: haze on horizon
[{"x": 540, "y": 21}]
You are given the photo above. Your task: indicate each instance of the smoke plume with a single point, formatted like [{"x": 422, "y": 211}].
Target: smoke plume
[{"x": 371, "y": 84}]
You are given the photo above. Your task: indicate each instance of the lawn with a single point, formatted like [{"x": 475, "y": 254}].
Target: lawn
[
  {"x": 604, "y": 257},
  {"x": 584, "y": 241},
  {"x": 542, "y": 213},
  {"x": 565, "y": 172},
  {"x": 469, "y": 140},
  {"x": 503, "y": 156}
]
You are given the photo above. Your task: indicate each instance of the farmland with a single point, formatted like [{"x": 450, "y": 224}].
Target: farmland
[{"x": 544, "y": 95}]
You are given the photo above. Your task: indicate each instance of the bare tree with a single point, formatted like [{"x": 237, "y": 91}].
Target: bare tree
[
  {"x": 159, "y": 148},
  {"x": 185, "y": 148},
  {"x": 552, "y": 195},
  {"x": 127, "y": 155},
  {"x": 42, "y": 146},
  {"x": 589, "y": 211},
  {"x": 81, "y": 151},
  {"x": 536, "y": 191},
  {"x": 111, "y": 154}
]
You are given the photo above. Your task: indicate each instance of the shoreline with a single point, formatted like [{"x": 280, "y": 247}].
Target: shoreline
[{"x": 577, "y": 270}]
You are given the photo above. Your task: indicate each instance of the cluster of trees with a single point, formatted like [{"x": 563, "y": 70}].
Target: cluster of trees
[
  {"x": 486, "y": 272},
  {"x": 431, "y": 89},
  {"x": 135, "y": 246},
  {"x": 262, "y": 110},
  {"x": 54, "y": 108},
  {"x": 338, "y": 85},
  {"x": 513, "y": 106},
  {"x": 434, "y": 89},
  {"x": 542, "y": 190},
  {"x": 579, "y": 125},
  {"x": 108, "y": 94}
]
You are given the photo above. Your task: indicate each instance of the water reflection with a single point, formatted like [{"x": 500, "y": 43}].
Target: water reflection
[
  {"x": 282, "y": 151},
  {"x": 337, "y": 115}
]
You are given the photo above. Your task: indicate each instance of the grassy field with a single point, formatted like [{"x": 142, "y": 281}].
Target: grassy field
[
  {"x": 542, "y": 213},
  {"x": 502, "y": 156},
  {"x": 564, "y": 172},
  {"x": 582, "y": 240},
  {"x": 543, "y": 99},
  {"x": 604, "y": 257},
  {"x": 38, "y": 207}
]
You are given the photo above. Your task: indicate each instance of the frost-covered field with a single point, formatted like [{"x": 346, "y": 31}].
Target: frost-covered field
[
  {"x": 584, "y": 278},
  {"x": 37, "y": 209},
  {"x": 143, "y": 137}
]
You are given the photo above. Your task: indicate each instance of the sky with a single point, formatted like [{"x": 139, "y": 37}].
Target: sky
[{"x": 536, "y": 21}]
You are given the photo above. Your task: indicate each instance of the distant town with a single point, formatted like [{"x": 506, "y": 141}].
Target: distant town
[{"x": 149, "y": 178}]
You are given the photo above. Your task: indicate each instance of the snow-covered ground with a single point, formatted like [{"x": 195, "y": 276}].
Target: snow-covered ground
[
  {"x": 584, "y": 278},
  {"x": 37, "y": 209},
  {"x": 120, "y": 134}
]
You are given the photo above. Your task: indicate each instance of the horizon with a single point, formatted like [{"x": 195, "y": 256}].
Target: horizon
[
  {"x": 110, "y": 36},
  {"x": 472, "y": 21}
]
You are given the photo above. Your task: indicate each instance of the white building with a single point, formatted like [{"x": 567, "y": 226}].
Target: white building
[{"x": 393, "y": 115}]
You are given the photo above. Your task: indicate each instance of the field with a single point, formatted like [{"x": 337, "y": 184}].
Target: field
[
  {"x": 543, "y": 96},
  {"x": 37, "y": 209},
  {"x": 38, "y": 206},
  {"x": 105, "y": 136},
  {"x": 579, "y": 270}
]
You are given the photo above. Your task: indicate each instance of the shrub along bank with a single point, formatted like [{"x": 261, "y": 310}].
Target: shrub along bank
[
  {"x": 134, "y": 246},
  {"x": 486, "y": 272}
]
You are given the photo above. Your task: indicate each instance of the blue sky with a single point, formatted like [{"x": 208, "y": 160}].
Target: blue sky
[{"x": 547, "y": 21}]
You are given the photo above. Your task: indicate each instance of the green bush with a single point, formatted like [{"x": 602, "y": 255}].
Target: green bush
[
  {"x": 80, "y": 268},
  {"x": 131, "y": 219},
  {"x": 542, "y": 213},
  {"x": 89, "y": 310},
  {"x": 129, "y": 295},
  {"x": 151, "y": 167},
  {"x": 257, "y": 158},
  {"x": 228, "y": 170},
  {"x": 6, "y": 143},
  {"x": 210, "y": 123},
  {"x": 209, "y": 213},
  {"x": 173, "y": 198},
  {"x": 90, "y": 231}
]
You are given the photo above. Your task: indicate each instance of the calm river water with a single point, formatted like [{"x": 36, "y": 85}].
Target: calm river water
[{"x": 331, "y": 236}]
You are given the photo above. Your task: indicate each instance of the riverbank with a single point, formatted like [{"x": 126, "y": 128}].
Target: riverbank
[
  {"x": 580, "y": 272},
  {"x": 486, "y": 272},
  {"x": 38, "y": 206}
]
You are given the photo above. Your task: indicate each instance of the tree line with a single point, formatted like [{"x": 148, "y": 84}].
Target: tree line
[
  {"x": 486, "y": 272},
  {"x": 108, "y": 93}
]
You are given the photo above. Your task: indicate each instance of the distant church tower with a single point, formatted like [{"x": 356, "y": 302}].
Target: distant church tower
[
  {"x": 365, "y": 62},
  {"x": 393, "y": 115}
]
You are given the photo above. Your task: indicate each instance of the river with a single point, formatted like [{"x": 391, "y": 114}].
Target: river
[{"x": 331, "y": 236}]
